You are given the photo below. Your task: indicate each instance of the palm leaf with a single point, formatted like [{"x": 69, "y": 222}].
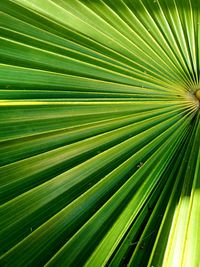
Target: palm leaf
[{"x": 100, "y": 133}]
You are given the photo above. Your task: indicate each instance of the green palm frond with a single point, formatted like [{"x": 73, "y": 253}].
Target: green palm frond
[{"x": 100, "y": 133}]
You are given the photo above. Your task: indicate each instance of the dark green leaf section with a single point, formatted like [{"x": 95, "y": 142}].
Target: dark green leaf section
[{"x": 100, "y": 133}]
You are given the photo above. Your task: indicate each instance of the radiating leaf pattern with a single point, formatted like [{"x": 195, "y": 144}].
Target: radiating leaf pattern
[{"x": 100, "y": 133}]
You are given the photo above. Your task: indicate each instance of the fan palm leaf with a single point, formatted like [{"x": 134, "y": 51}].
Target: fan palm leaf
[{"x": 100, "y": 133}]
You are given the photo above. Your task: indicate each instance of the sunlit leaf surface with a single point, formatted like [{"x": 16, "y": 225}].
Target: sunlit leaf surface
[{"x": 99, "y": 133}]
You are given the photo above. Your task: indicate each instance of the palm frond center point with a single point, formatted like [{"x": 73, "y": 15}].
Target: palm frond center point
[{"x": 197, "y": 94}]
